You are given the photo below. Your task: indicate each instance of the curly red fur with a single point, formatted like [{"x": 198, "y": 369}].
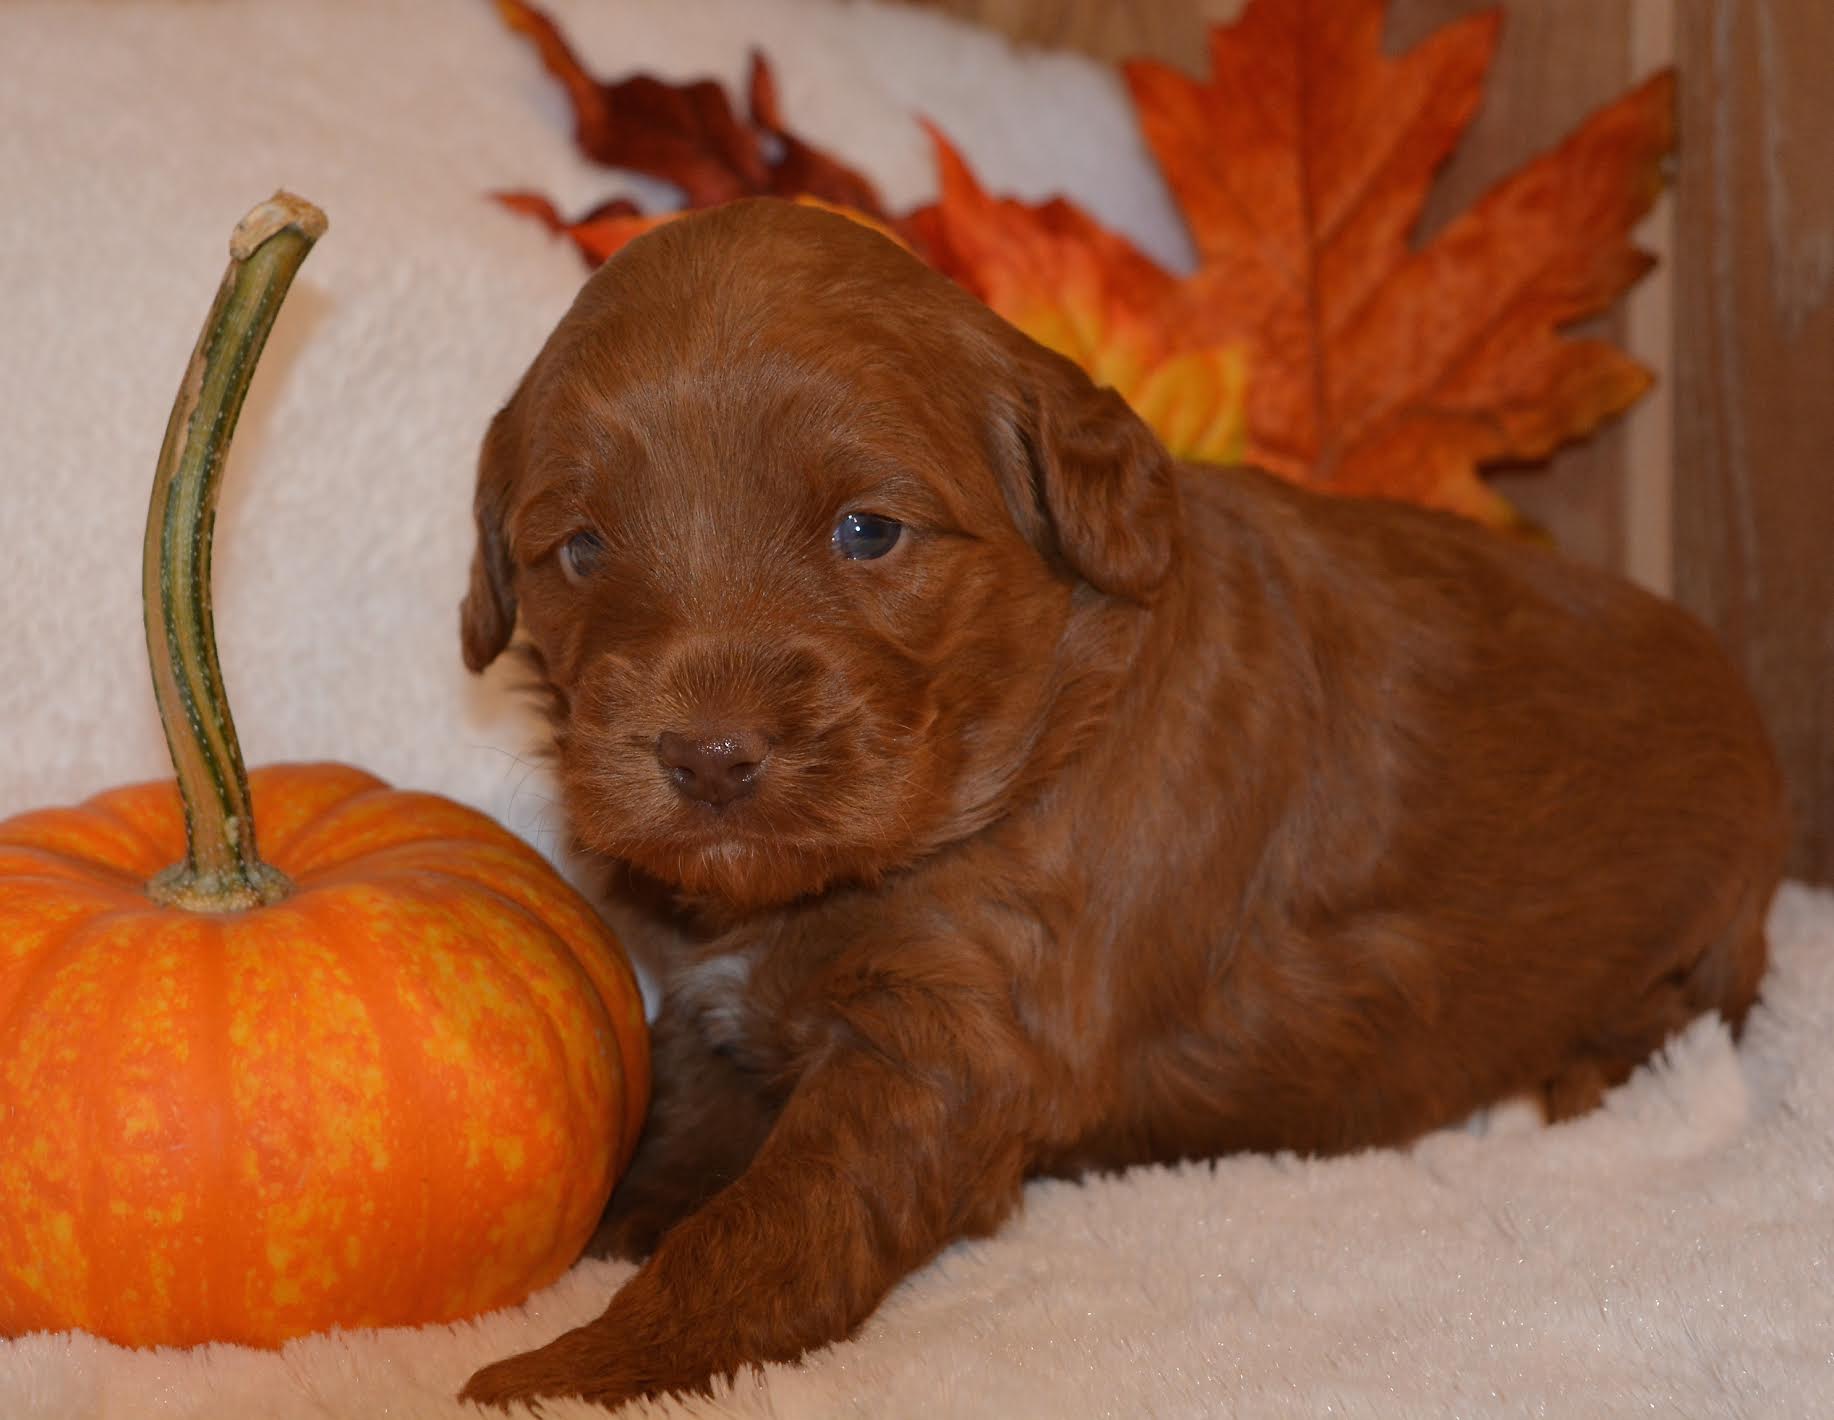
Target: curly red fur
[{"x": 1121, "y": 813}]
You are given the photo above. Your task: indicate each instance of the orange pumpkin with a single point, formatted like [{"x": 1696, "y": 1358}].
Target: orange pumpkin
[
  {"x": 387, "y": 1075},
  {"x": 399, "y": 1094}
]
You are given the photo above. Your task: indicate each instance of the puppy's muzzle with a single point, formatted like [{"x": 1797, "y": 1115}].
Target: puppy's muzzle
[{"x": 717, "y": 768}]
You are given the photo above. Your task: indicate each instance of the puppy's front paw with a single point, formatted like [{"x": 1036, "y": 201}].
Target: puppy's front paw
[
  {"x": 607, "y": 1361},
  {"x": 503, "y": 1384},
  {"x": 576, "y": 1364}
]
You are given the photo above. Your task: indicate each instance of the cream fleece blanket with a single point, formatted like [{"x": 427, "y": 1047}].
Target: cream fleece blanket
[{"x": 1673, "y": 1254}]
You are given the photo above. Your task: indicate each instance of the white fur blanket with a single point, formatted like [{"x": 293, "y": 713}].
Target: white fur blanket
[{"x": 1673, "y": 1254}]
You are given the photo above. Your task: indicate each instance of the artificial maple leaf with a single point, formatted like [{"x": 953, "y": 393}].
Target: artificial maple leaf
[
  {"x": 1092, "y": 296},
  {"x": 800, "y": 169},
  {"x": 598, "y": 233},
  {"x": 601, "y": 232},
  {"x": 1302, "y": 166},
  {"x": 685, "y": 134}
]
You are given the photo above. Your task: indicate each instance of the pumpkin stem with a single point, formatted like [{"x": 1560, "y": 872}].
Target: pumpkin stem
[{"x": 222, "y": 871}]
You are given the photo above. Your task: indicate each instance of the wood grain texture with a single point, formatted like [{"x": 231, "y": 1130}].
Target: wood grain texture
[{"x": 1754, "y": 434}]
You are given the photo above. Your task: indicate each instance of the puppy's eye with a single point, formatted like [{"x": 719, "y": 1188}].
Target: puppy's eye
[
  {"x": 862, "y": 536},
  {"x": 580, "y": 556}
]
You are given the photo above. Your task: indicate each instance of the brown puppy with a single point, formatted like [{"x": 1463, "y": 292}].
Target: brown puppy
[{"x": 1006, "y": 800}]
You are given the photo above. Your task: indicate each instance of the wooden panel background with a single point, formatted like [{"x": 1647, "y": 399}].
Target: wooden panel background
[
  {"x": 1754, "y": 369},
  {"x": 1719, "y": 490}
]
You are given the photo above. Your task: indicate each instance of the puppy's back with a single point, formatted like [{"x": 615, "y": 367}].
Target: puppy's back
[{"x": 1522, "y": 819}]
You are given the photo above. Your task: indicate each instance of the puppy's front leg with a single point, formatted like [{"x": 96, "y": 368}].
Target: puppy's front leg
[
  {"x": 708, "y": 1117},
  {"x": 874, "y": 1164}
]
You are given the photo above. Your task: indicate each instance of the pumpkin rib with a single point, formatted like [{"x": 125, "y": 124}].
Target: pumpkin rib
[
  {"x": 308, "y": 856},
  {"x": 219, "y": 1064},
  {"x": 206, "y": 1066},
  {"x": 34, "y": 985},
  {"x": 431, "y": 854},
  {"x": 87, "y": 857},
  {"x": 577, "y": 1124},
  {"x": 48, "y": 961},
  {"x": 289, "y": 798},
  {"x": 147, "y": 819},
  {"x": 528, "y": 914},
  {"x": 515, "y": 877},
  {"x": 77, "y": 886},
  {"x": 405, "y": 1082},
  {"x": 414, "y": 855},
  {"x": 107, "y": 806},
  {"x": 67, "y": 867},
  {"x": 124, "y": 984},
  {"x": 287, "y": 842}
]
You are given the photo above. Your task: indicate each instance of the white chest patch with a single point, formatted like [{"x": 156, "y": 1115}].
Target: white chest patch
[{"x": 715, "y": 992}]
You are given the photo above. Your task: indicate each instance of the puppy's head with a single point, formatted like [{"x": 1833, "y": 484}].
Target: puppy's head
[{"x": 812, "y": 549}]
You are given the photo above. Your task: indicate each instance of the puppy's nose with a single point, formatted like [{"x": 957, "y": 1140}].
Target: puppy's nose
[{"x": 716, "y": 768}]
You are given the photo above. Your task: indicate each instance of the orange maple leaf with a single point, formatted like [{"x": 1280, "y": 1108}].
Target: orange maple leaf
[
  {"x": 1302, "y": 166},
  {"x": 1094, "y": 297},
  {"x": 598, "y": 233}
]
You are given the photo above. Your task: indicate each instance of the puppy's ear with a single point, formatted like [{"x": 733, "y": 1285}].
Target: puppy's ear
[
  {"x": 1087, "y": 479},
  {"x": 487, "y": 616}
]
